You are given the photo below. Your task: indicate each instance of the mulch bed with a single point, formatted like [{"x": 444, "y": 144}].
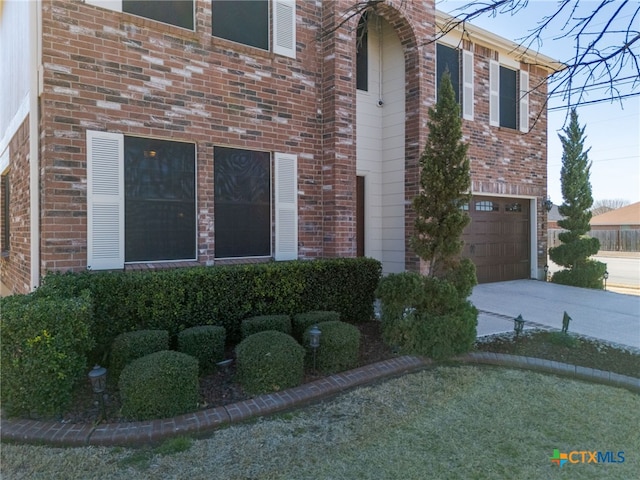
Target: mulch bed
[{"x": 216, "y": 389}]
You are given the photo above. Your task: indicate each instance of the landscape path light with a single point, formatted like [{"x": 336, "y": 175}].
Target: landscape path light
[
  {"x": 98, "y": 379},
  {"x": 518, "y": 325},
  {"x": 314, "y": 342},
  {"x": 605, "y": 276}
]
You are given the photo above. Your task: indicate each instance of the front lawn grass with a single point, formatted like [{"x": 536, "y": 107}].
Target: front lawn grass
[
  {"x": 566, "y": 348},
  {"x": 442, "y": 423}
]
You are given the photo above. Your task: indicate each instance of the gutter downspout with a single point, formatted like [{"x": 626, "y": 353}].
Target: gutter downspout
[{"x": 34, "y": 143}]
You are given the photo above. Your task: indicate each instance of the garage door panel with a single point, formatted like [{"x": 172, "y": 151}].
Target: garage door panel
[{"x": 497, "y": 239}]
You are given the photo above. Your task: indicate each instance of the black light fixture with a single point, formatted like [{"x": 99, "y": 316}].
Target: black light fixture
[
  {"x": 98, "y": 379},
  {"x": 518, "y": 325},
  {"x": 314, "y": 342},
  {"x": 548, "y": 204},
  {"x": 605, "y": 276}
]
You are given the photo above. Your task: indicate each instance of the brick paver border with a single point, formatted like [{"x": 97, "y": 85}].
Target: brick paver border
[{"x": 205, "y": 421}]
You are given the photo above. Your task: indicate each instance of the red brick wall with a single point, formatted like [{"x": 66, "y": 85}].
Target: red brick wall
[
  {"x": 120, "y": 73},
  {"x": 15, "y": 272}
]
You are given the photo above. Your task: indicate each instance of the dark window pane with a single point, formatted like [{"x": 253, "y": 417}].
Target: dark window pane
[
  {"x": 245, "y": 21},
  {"x": 448, "y": 59},
  {"x": 513, "y": 207},
  {"x": 362, "y": 56},
  {"x": 160, "y": 201},
  {"x": 487, "y": 206},
  {"x": 242, "y": 203},
  {"x": 173, "y": 12},
  {"x": 508, "y": 98}
]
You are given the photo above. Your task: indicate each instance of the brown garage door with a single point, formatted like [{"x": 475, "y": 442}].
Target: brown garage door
[{"x": 497, "y": 239}]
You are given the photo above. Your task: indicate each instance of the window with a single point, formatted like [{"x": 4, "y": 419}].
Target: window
[
  {"x": 247, "y": 22},
  {"x": 508, "y": 97},
  {"x": 513, "y": 207},
  {"x": 173, "y": 12},
  {"x": 487, "y": 206},
  {"x": 140, "y": 200},
  {"x": 242, "y": 199},
  {"x": 160, "y": 200},
  {"x": 5, "y": 221},
  {"x": 448, "y": 59},
  {"x": 362, "y": 54},
  {"x": 243, "y": 204}
]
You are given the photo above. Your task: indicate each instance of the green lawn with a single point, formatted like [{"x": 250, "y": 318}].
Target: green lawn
[{"x": 449, "y": 422}]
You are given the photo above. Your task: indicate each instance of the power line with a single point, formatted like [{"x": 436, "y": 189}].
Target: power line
[{"x": 592, "y": 102}]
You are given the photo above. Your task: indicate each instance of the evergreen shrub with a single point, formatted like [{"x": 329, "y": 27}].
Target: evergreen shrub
[
  {"x": 339, "y": 347},
  {"x": 205, "y": 343},
  {"x": 44, "y": 342},
  {"x": 262, "y": 323},
  {"x": 302, "y": 321},
  {"x": 132, "y": 345},
  {"x": 269, "y": 361},
  {"x": 162, "y": 384}
]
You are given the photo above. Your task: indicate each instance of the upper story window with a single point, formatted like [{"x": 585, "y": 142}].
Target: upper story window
[
  {"x": 459, "y": 64},
  {"x": 362, "y": 54},
  {"x": 248, "y": 21},
  {"x": 509, "y": 97},
  {"x": 173, "y": 12}
]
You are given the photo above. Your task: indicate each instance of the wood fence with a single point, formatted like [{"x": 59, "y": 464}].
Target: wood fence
[{"x": 610, "y": 240}]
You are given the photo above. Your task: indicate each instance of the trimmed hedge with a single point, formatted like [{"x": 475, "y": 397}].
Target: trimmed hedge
[
  {"x": 268, "y": 362},
  {"x": 132, "y": 345},
  {"x": 426, "y": 316},
  {"x": 339, "y": 348},
  {"x": 302, "y": 322},
  {"x": 162, "y": 384},
  {"x": 205, "y": 343},
  {"x": 44, "y": 342},
  {"x": 263, "y": 323},
  {"x": 222, "y": 295}
]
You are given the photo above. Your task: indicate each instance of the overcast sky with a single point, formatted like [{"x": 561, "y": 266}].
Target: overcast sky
[{"x": 612, "y": 128}]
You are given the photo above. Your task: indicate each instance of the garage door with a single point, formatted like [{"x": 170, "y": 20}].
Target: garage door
[{"x": 497, "y": 239}]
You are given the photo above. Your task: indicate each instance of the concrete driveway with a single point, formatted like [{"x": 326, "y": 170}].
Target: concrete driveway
[{"x": 609, "y": 316}]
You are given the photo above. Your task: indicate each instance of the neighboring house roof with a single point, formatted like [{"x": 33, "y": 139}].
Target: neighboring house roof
[
  {"x": 554, "y": 214},
  {"x": 629, "y": 215}
]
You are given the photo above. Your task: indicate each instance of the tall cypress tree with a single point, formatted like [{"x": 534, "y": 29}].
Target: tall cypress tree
[
  {"x": 445, "y": 183},
  {"x": 576, "y": 247}
]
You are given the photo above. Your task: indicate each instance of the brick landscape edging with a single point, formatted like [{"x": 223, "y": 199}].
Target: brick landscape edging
[{"x": 205, "y": 421}]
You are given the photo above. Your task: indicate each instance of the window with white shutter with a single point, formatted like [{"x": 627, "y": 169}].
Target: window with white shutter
[{"x": 286, "y": 178}]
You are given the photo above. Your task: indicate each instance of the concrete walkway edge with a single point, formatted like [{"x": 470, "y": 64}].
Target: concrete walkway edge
[{"x": 203, "y": 422}]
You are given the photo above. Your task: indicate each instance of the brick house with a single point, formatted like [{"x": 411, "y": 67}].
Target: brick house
[{"x": 198, "y": 132}]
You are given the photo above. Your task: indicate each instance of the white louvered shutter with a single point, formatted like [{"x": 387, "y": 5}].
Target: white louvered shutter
[
  {"x": 105, "y": 200},
  {"x": 286, "y": 193},
  {"x": 494, "y": 93},
  {"x": 284, "y": 27},
  {"x": 524, "y": 101},
  {"x": 467, "y": 85},
  {"x": 115, "y": 5}
]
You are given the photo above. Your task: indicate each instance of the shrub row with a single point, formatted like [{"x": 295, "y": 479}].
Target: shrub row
[{"x": 173, "y": 300}]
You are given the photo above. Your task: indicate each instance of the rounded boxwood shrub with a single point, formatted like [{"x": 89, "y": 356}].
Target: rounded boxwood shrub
[
  {"x": 339, "y": 347},
  {"x": 131, "y": 345},
  {"x": 302, "y": 321},
  {"x": 269, "y": 361},
  {"x": 262, "y": 323},
  {"x": 162, "y": 384},
  {"x": 205, "y": 343}
]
